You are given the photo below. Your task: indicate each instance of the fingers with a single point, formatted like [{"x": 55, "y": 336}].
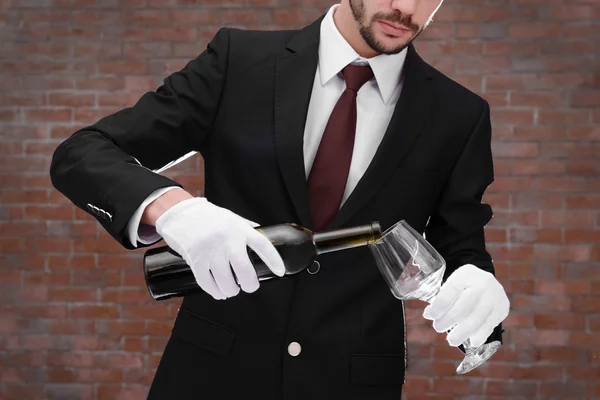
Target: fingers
[
  {"x": 481, "y": 334},
  {"x": 498, "y": 314},
  {"x": 476, "y": 310},
  {"x": 466, "y": 306},
  {"x": 266, "y": 251},
  {"x": 251, "y": 223},
  {"x": 449, "y": 293},
  {"x": 207, "y": 283},
  {"x": 223, "y": 275},
  {"x": 244, "y": 270}
]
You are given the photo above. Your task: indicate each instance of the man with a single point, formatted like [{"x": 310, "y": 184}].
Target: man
[{"x": 338, "y": 124}]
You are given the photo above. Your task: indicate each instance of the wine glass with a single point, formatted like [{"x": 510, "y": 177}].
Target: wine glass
[{"x": 413, "y": 270}]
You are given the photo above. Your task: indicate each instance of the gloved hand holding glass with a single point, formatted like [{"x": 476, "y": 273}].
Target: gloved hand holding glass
[{"x": 469, "y": 305}]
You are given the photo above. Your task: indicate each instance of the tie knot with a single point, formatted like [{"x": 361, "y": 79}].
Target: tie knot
[{"x": 356, "y": 76}]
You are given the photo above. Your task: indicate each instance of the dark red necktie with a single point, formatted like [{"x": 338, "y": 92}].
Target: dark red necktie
[{"x": 329, "y": 173}]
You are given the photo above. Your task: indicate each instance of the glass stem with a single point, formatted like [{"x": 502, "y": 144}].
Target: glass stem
[{"x": 469, "y": 349}]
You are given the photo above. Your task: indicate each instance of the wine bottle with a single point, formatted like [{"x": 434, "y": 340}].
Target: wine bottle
[{"x": 167, "y": 274}]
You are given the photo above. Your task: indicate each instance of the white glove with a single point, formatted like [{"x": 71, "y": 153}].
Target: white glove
[
  {"x": 210, "y": 238},
  {"x": 471, "y": 303}
]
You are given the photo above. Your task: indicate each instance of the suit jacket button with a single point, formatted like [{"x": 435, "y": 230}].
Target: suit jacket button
[
  {"x": 314, "y": 268},
  {"x": 93, "y": 209},
  {"x": 294, "y": 349}
]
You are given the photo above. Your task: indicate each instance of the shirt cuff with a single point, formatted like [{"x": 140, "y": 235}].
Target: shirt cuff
[{"x": 142, "y": 233}]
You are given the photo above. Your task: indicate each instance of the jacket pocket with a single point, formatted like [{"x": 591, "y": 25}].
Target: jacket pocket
[
  {"x": 377, "y": 369},
  {"x": 203, "y": 333}
]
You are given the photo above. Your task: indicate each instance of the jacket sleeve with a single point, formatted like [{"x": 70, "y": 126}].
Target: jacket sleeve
[
  {"x": 456, "y": 228},
  {"x": 106, "y": 169}
]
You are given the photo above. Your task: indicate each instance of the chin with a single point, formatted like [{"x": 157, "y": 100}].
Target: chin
[
  {"x": 393, "y": 44},
  {"x": 383, "y": 43}
]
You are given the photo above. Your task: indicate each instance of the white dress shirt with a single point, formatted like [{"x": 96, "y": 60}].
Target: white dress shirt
[{"x": 376, "y": 101}]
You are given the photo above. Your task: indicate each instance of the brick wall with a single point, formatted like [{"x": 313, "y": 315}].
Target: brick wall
[{"x": 75, "y": 319}]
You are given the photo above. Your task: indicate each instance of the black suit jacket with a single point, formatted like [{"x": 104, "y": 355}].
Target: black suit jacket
[{"x": 242, "y": 104}]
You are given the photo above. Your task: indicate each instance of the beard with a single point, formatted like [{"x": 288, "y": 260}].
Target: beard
[{"x": 366, "y": 27}]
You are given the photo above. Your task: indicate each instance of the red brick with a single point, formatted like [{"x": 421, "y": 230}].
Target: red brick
[
  {"x": 594, "y": 323},
  {"x": 584, "y": 339},
  {"x": 512, "y": 116},
  {"x": 563, "y": 80},
  {"x": 536, "y": 372},
  {"x": 562, "y": 116},
  {"x": 586, "y": 304},
  {"x": 485, "y": 64},
  {"x": 572, "y": 12},
  {"x": 568, "y": 46},
  {"x": 119, "y": 392},
  {"x": 72, "y": 294},
  {"x": 71, "y": 100},
  {"x": 568, "y": 253},
  {"x": 542, "y": 338},
  {"x": 48, "y": 115},
  {"x": 294, "y": 17},
  {"x": 436, "y": 31},
  {"x": 510, "y": 47},
  {"x": 512, "y": 252},
  {"x": 586, "y": 98},
  {"x": 94, "y": 312},
  {"x": 583, "y": 167},
  {"x": 497, "y": 200},
  {"x": 561, "y": 355},
  {"x": 587, "y": 201},
  {"x": 125, "y": 295},
  {"x": 539, "y": 132},
  {"x": 122, "y": 67},
  {"x": 530, "y": 200},
  {"x": 495, "y": 100},
  {"x": 515, "y": 320},
  {"x": 533, "y": 99},
  {"x": 583, "y": 373},
  {"x": 535, "y": 30},
  {"x": 135, "y": 344},
  {"x": 516, "y": 218},
  {"x": 568, "y": 322},
  {"x": 584, "y": 132},
  {"x": 70, "y": 359},
  {"x": 515, "y": 149},
  {"x": 417, "y": 385},
  {"x": 537, "y": 167},
  {"x": 566, "y": 390},
  {"x": 511, "y": 388},
  {"x": 566, "y": 150},
  {"x": 538, "y": 302},
  {"x": 96, "y": 278},
  {"x": 582, "y": 236},
  {"x": 510, "y": 184},
  {"x": 529, "y": 235}
]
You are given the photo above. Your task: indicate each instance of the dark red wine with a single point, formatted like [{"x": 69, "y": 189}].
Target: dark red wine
[{"x": 167, "y": 274}]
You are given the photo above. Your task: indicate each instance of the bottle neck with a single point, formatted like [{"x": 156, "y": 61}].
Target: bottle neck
[{"x": 341, "y": 239}]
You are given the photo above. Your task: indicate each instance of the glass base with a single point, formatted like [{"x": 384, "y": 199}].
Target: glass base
[{"x": 475, "y": 357}]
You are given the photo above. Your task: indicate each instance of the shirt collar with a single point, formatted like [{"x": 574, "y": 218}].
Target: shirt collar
[{"x": 335, "y": 53}]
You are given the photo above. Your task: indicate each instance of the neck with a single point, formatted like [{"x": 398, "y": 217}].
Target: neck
[{"x": 349, "y": 29}]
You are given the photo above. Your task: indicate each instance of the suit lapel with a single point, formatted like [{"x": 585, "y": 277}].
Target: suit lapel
[
  {"x": 408, "y": 119},
  {"x": 295, "y": 73}
]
